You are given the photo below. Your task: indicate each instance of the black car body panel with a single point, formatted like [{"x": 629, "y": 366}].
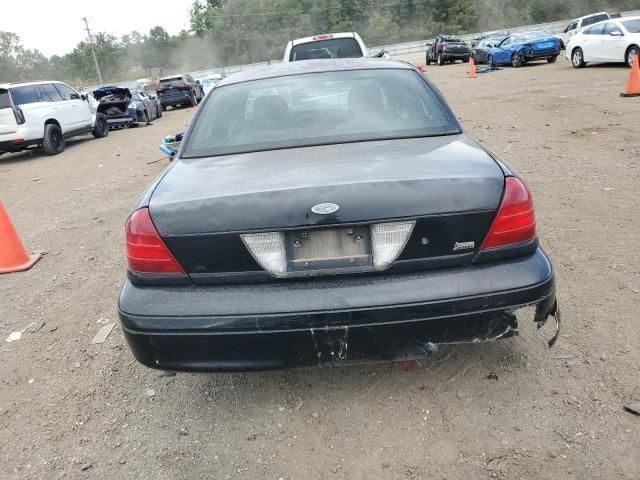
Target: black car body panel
[
  {"x": 179, "y": 90},
  {"x": 225, "y": 312},
  {"x": 447, "y": 48},
  {"x": 232, "y": 327}
]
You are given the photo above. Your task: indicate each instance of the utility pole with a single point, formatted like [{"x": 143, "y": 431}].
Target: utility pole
[{"x": 93, "y": 50}]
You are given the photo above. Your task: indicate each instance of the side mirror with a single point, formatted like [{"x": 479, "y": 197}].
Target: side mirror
[
  {"x": 490, "y": 45},
  {"x": 74, "y": 96},
  {"x": 428, "y": 44},
  {"x": 197, "y": 82},
  {"x": 83, "y": 96},
  {"x": 617, "y": 33}
]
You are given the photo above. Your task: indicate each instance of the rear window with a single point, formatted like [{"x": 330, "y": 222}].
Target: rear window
[
  {"x": 632, "y": 26},
  {"x": 315, "y": 109},
  {"x": 172, "y": 81},
  {"x": 330, "y": 48},
  {"x": 4, "y": 99},
  {"x": 595, "y": 19}
]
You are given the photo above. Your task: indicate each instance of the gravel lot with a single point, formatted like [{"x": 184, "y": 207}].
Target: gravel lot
[{"x": 511, "y": 409}]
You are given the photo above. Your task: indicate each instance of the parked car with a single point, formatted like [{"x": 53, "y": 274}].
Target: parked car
[
  {"x": 209, "y": 82},
  {"x": 143, "y": 107},
  {"x": 520, "y": 48},
  {"x": 483, "y": 45},
  {"x": 575, "y": 26},
  {"x": 616, "y": 40},
  {"x": 114, "y": 104},
  {"x": 179, "y": 90},
  {"x": 332, "y": 45},
  {"x": 326, "y": 213},
  {"x": 447, "y": 49},
  {"x": 45, "y": 114}
]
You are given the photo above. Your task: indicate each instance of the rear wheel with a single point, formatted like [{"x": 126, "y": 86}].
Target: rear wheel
[
  {"x": 164, "y": 108},
  {"x": 516, "y": 60},
  {"x": 427, "y": 59},
  {"x": 440, "y": 60},
  {"x": 194, "y": 101},
  {"x": 145, "y": 117},
  {"x": 632, "y": 52},
  {"x": 552, "y": 59},
  {"x": 53, "y": 141},
  {"x": 466, "y": 60},
  {"x": 159, "y": 111},
  {"x": 101, "y": 127},
  {"x": 577, "y": 58},
  {"x": 490, "y": 61}
]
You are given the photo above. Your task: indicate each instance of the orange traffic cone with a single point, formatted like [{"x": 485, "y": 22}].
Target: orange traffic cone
[
  {"x": 633, "y": 85},
  {"x": 472, "y": 68},
  {"x": 13, "y": 256}
]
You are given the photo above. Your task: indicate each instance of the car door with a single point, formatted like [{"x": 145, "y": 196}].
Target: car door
[
  {"x": 570, "y": 31},
  {"x": 75, "y": 110},
  {"x": 503, "y": 53},
  {"x": 612, "y": 45},
  {"x": 596, "y": 41}
]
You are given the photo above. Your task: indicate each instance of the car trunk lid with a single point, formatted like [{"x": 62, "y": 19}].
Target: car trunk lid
[{"x": 448, "y": 188}]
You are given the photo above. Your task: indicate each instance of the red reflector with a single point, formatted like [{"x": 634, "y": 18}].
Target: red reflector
[
  {"x": 323, "y": 37},
  {"x": 146, "y": 252},
  {"x": 516, "y": 219},
  {"x": 17, "y": 140}
]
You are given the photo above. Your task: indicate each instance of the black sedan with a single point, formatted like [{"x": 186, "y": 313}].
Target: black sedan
[{"x": 322, "y": 213}]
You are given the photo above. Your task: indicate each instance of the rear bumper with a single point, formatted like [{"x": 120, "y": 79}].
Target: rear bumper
[
  {"x": 329, "y": 322},
  {"x": 533, "y": 55},
  {"x": 456, "y": 55},
  {"x": 172, "y": 100},
  {"x": 17, "y": 146}
]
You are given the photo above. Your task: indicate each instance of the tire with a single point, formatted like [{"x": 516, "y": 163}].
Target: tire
[
  {"x": 440, "y": 60},
  {"x": 164, "y": 108},
  {"x": 552, "y": 59},
  {"x": 577, "y": 58},
  {"x": 53, "y": 141},
  {"x": 194, "y": 101},
  {"x": 427, "y": 60},
  {"x": 145, "y": 118},
  {"x": 159, "y": 111},
  {"x": 631, "y": 51},
  {"x": 101, "y": 127},
  {"x": 516, "y": 60},
  {"x": 466, "y": 60},
  {"x": 490, "y": 61}
]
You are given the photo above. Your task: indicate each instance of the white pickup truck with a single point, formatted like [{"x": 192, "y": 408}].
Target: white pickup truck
[{"x": 329, "y": 45}]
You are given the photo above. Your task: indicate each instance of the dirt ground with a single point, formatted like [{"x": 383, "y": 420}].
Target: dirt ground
[{"x": 511, "y": 409}]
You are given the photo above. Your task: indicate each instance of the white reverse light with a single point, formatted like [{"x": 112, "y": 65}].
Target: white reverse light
[
  {"x": 268, "y": 249},
  {"x": 388, "y": 240}
]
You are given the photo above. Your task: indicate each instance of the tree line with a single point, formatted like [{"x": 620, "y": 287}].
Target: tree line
[{"x": 231, "y": 32}]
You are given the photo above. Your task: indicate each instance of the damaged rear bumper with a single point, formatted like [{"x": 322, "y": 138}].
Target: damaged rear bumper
[{"x": 331, "y": 321}]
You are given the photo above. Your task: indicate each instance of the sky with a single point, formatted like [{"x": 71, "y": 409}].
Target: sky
[{"x": 56, "y": 27}]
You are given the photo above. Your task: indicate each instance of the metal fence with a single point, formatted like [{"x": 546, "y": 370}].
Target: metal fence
[{"x": 393, "y": 49}]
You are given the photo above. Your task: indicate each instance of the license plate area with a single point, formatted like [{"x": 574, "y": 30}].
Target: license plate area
[{"x": 328, "y": 249}]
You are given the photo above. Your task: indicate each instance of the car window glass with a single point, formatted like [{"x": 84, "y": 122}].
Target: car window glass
[
  {"x": 597, "y": 30},
  {"x": 610, "y": 27},
  {"x": 322, "y": 108},
  {"x": 4, "y": 99},
  {"x": 331, "y": 48},
  {"x": 572, "y": 26},
  {"x": 65, "y": 91},
  {"x": 632, "y": 26},
  {"x": 54, "y": 95},
  {"x": 28, "y": 94}
]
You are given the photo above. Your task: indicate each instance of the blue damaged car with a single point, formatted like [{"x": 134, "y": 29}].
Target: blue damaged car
[{"x": 520, "y": 48}]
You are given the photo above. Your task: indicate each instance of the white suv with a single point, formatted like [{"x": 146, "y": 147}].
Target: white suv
[
  {"x": 331, "y": 45},
  {"x": 578, "y": 24},
  {"x": 45, "y": 113}
]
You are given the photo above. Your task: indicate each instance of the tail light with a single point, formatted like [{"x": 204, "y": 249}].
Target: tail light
[
  {"x": 19, "y": 114},
  {"x": 516, "y": 219},
  {"x": 146, "y": 252},
  {"x": 445, "y": 46}
]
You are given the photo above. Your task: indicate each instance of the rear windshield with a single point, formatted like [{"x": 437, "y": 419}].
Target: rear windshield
[
  {"x": 4, "y": 99},
  {"x": 316, "y": 109},
  {"x": 331, "y": 48},
  {"x": 632, "y": 26},
  {"x": 535, "y": 35},
  {"x": 172, "y": 81}
]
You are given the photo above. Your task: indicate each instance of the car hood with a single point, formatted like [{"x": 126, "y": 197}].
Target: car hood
[
  {"x": 369, "y": 181},
  {"x": 101, "y": 92}
]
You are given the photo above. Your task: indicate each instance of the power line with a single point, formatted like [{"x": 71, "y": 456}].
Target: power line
[{"x": 93, "y": 50}]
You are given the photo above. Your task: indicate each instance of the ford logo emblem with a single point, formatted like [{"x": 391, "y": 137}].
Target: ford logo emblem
[{"x": 325, "y": 208}]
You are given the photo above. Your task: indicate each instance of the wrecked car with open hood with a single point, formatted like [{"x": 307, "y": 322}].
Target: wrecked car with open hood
[{"x": 324, "y": 213}]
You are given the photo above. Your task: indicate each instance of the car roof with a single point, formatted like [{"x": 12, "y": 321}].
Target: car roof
[
  {"x": 589, "y": 16},
  {"x": 314, "y": 66},
  {"x": 317, "y": 38},
  {"x": 21, "y": 84},
  {"x": 616, "y": 20}
]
